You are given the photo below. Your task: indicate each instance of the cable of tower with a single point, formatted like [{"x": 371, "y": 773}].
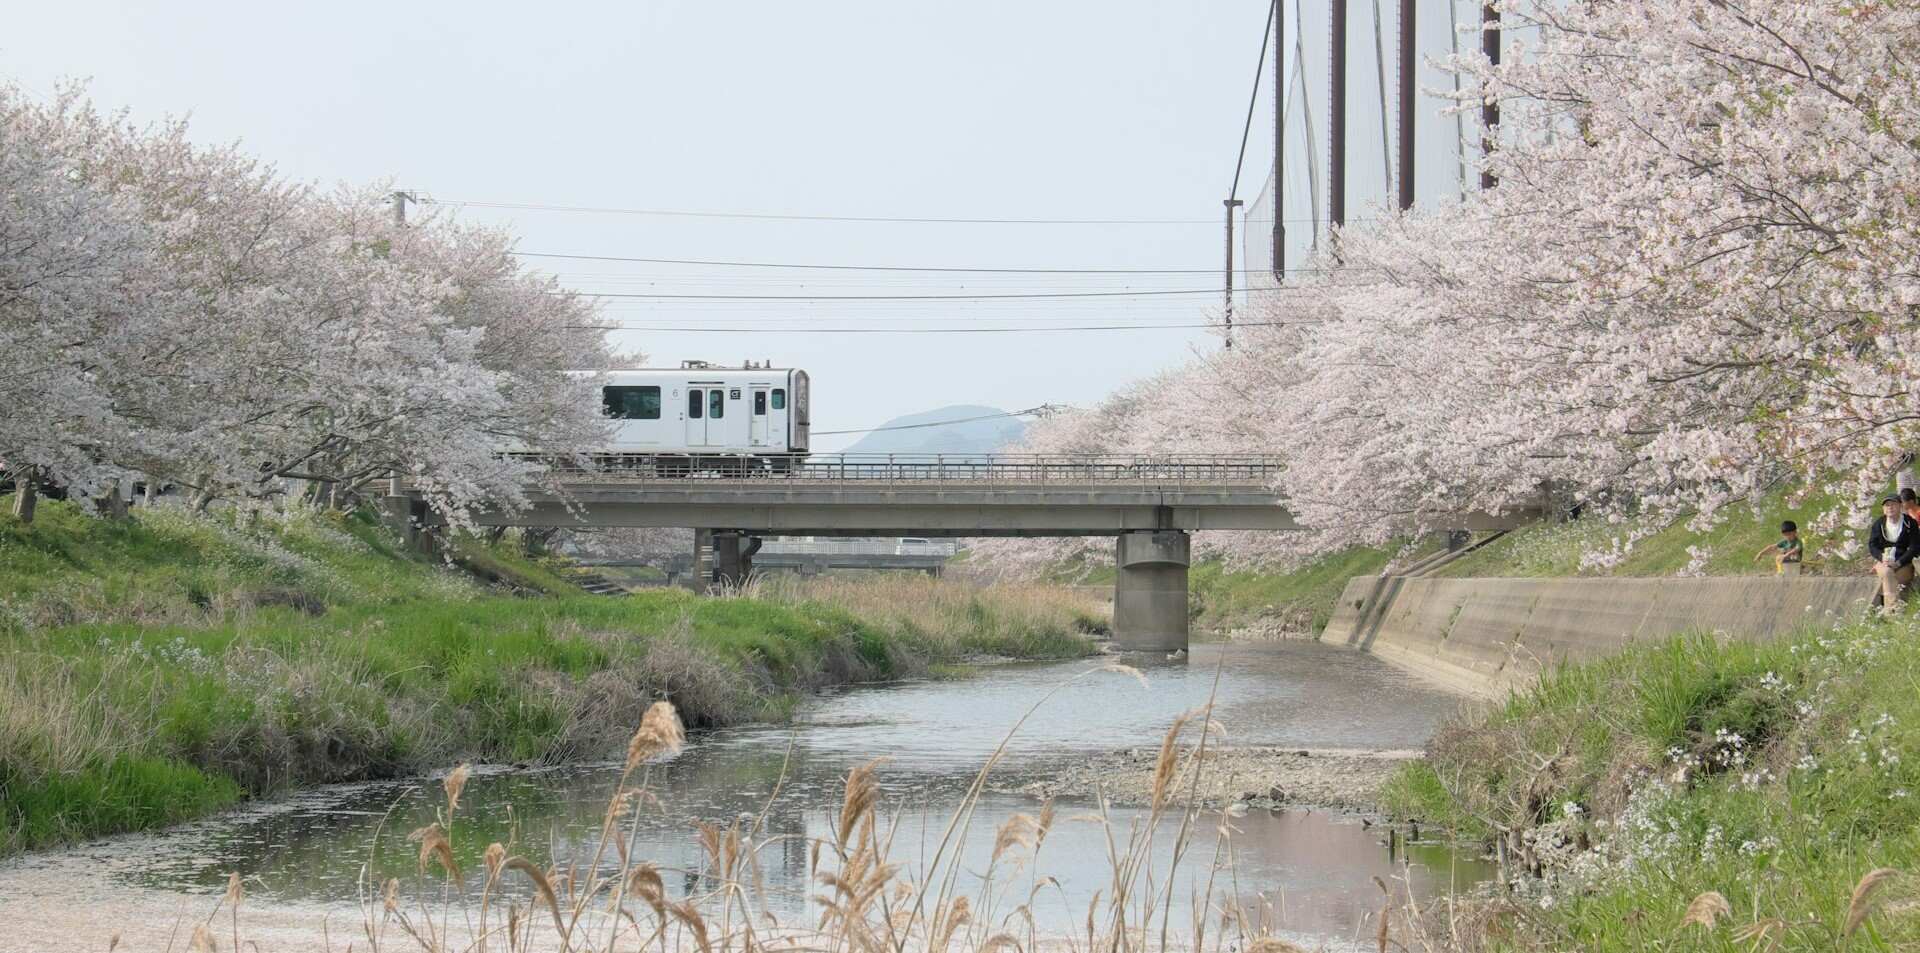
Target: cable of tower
[{"x": 1240, "y": 160}]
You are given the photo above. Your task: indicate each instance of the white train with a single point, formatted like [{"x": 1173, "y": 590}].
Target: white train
[{"x": 698, "y": 415}]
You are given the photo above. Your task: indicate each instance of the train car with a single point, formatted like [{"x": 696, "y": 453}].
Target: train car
[{"x": 700, "y": 416}]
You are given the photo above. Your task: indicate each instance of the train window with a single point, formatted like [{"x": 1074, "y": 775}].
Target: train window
[
  {"x": 716, "y": 403},
  {"x": 694, "y": 398},
  {"x": 631, "y": 403},
  {"x": 779, "y": 398},
  {"x": 759, "y": 403}
]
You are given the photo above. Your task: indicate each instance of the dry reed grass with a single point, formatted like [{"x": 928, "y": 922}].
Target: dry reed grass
[{"x": 961, "y": 615}]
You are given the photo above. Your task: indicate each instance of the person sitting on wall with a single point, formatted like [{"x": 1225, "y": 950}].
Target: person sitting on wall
[
  {"x": 1910, "y": 502},
  {"x": 1785, "y": 552},
  {"x": 1893, "y": 540}
]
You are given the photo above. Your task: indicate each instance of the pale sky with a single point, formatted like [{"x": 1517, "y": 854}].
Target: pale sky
[{"x": 1045, "y": 109}]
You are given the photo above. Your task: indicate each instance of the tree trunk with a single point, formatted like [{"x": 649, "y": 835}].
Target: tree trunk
[
  {"x": 113, "y": 506},
  {"x": 534, "y": 542},
  {"x": 26, "y": 494}
]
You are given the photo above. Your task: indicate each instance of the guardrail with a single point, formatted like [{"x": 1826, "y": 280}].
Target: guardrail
[{"x": 1250, "y": 469}]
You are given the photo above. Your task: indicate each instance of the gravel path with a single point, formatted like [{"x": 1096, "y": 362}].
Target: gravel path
[{"x": 1258, "y": 777}]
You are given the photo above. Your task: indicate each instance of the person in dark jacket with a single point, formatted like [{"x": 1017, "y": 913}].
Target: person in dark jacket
[{"x": 1894, "y": 540}]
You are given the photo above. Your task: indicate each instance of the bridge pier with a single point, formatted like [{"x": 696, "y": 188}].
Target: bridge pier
[
  {"x": 409, "y": 517},
  {"x": 733, "y": 557},
  {"x": 1150, "y": 590}
]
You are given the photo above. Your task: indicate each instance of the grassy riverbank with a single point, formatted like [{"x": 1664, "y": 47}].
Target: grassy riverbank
[
  {"x": 1763, "y": 782},
  {"x": 1556, "y": 548},
  {"x": 168, "y": 665}
]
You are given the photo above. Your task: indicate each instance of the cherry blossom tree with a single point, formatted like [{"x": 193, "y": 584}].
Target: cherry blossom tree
[
  {"x": 186, "y": 315},
  {"x": 1695, "y": 281}
]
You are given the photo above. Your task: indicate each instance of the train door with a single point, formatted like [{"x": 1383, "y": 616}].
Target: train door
[
  {"x": 777, "y": 432},
  {"x": 758, "y": 430},
  {"x": 696, "y": 417}
]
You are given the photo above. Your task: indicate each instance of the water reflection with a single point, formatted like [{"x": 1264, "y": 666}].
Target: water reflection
[{"x": 1312, "y": 872}]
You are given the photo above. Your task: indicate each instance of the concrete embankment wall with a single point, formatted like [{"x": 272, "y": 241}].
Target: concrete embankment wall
[{"x": 1487, "y": 636}]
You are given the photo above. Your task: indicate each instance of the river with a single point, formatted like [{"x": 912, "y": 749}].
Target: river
[{"x": 1310, "y": 872}]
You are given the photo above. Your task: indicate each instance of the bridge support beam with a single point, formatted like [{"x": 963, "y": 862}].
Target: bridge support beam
[{"x": 1150, "y": 591}]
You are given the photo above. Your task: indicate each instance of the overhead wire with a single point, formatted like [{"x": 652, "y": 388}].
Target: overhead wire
[
  {"x": 764, "y": 330},
  {"x": 903, "y": 268},
  {"x": 789, "y": 217},
  {"x": 926, "y": 297},
  {"x": 1030, "y": 411}
]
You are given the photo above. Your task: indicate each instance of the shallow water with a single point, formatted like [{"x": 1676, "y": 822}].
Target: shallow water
[{"x": 1310, "y": 871}]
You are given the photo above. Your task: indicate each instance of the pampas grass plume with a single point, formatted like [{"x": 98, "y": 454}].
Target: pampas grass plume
[
  {"x": 660, "y": 733},
  {"x": 1860, "y": 905},
  {"x": 1706, "y": 909},
  {"x": 456, "y": 780}
]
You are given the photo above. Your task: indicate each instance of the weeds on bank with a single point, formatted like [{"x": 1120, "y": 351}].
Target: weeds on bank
[
  {"x": 159, "y": 667},
  {"x": 867, "y": 901},
  {"x": 1697, "y": 794}
]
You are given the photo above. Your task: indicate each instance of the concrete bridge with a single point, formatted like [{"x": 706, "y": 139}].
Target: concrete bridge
[{"x": 1148, "y": 503}]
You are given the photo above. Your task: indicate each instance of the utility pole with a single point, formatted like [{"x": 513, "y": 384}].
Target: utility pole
[
  {"x": 1405, "y": 178},
  {"x": 400, "y": 200},
  {"x": 1489, "y": 109},
  {"x": 1337, "y": 118},
  {"x": 1279, "y": 143},
  {"x": 1232, "y": 204}
]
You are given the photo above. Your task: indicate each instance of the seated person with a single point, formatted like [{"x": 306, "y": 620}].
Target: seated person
[{"x": 1894, "y": 540}]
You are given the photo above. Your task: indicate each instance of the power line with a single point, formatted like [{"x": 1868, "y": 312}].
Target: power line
[
  {"x": 939, "y": 269},
  {"x": 786, "y": 321},
  {"x": 1030, "y": 411},
  {"x": 776, "y": 216},
  {"x": 931, "y": 297},
  {"x": 1090, "y": 327},
  {"x": 783, "y": 217}
]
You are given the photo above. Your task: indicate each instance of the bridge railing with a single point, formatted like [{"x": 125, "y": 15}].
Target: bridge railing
[{"x": 935, "y": 467}]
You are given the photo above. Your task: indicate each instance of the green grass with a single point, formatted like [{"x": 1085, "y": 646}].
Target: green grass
[
  {"x": 1555, "y": 549},
  {"x": 1777, "y": 775},
  {"x": 160, "y": 667},
  {"x": 1301, "y": 600}
]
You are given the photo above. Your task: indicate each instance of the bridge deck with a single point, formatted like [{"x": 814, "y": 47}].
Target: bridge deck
[
  {"x": 1247, "y": 469},
  {"x": 921, "y": 495}
]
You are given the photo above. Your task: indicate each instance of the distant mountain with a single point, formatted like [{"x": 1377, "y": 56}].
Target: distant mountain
[{"x": 908, "y": 435}]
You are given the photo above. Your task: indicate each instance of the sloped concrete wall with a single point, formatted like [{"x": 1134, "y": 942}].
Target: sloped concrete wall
[{"x": 1487, "y": 636}]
